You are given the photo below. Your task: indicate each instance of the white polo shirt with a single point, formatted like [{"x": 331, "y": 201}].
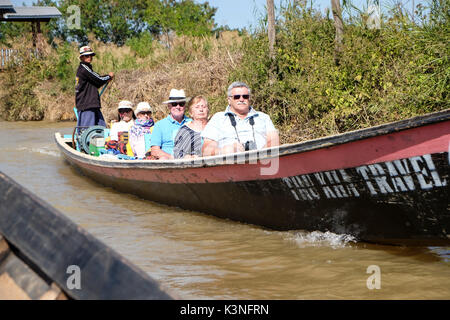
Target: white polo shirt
[{"x": 220, "y": 129}]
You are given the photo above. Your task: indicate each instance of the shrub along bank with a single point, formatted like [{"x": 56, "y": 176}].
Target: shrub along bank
[{"x": 399, "y": 71}]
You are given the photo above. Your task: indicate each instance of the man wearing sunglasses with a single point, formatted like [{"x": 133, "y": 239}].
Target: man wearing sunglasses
[
  {"x": 165, "y": 130},
  {"x": 240, "y": 128}
]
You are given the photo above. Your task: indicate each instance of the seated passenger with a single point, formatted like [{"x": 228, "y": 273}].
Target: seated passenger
[
  {"x": 188, "y": 143},
  {"x": 166, "y": 129},
  {"x": 240, "y": 127},
  {"x": 120, "y": 128},
  {"x": 125, "y": 119},
  {"x": 143, "y": 127}
]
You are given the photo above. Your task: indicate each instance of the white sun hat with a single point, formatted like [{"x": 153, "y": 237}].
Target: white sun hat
[
  {"x": 176, "y": 96},
  {"x": 142, "y": 107},
  {"x": 125, "y": 104}
]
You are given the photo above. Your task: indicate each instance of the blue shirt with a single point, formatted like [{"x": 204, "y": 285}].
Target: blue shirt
[
  {"x": 165, "y": 131},
  {"x": 219, "y": 128}
]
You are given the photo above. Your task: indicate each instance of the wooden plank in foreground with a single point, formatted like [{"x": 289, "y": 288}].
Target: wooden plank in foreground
[{"x": 44, "y": 255}]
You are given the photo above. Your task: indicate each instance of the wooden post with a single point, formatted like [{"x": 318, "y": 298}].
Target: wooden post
[
  {"x": 39, "y": 39},
  {"x": 33, "y": 30},
  {"x": 339, "y": 26},
  {"x": 271, "y": 35},
  {"x": 271, "y": 27}
]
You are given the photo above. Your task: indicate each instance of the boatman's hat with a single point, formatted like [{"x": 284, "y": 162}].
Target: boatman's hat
[
  {"x": 176, "y": 96},
  {"x": 86, "y": 51}
]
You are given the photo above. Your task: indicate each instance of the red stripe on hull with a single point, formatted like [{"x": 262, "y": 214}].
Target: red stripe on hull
[{"x": 399, "y": 145}]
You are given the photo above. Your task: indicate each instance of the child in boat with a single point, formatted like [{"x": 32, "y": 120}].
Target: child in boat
[
  {"x": 141, "y": 130},
  {"x": 119, "y": 129}
]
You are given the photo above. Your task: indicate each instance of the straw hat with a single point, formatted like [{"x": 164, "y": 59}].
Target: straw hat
[
  {"x": 176, "y": 96},
  {"x": 86, "y": 51}
]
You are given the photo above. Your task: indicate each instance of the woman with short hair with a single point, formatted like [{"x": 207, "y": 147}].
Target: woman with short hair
[{"x": 188, "y": 143}]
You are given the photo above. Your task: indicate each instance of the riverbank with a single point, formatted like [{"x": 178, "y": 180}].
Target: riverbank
[{"x": 383, "y": 75}]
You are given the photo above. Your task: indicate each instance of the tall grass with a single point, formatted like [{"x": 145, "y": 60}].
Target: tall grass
[{"x": 200, "y": 65}]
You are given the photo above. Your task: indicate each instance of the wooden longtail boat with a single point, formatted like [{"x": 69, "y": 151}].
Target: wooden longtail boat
[
  {"x": 385, "y": 184},
  {"x": 43, "y": 255}
]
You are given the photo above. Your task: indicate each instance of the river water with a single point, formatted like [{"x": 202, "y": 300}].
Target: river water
[{"x": 197, "y": 256}]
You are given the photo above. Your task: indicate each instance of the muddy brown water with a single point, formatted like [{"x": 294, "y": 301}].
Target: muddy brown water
[{"x": 202, "y": 257}]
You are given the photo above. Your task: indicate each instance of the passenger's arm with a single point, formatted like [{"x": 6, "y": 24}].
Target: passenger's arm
[
  {"x": 210, "y": 148},
  {"x": 161, "y": 155},
  {"x": 273, "y": 139}
]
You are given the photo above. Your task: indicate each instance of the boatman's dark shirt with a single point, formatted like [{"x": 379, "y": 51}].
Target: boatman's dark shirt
[{"x": 86, "y": 88}]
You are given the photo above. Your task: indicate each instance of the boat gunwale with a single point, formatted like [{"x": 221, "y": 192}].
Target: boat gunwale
[
  {"x": 48, "y": 242},
  {"x": 262, "y": 154}
]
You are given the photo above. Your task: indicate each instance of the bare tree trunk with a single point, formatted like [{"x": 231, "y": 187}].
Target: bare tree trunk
[
  {"x": 271, "y": 27},
  {"x": 271, "y": 34},
  {"x": 339, "y": 25}
]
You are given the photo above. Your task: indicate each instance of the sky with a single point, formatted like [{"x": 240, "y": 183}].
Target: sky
[
  {"x": 239, "y": 14},
  {"x": 246, "y": 13}
]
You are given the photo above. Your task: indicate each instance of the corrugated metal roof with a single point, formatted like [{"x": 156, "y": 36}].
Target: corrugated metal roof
[
  {"x": 5, "y": 4},
  {"x": 27, "y": 13}
]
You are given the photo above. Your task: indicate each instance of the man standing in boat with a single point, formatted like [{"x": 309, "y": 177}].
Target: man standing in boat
[
  {"x": 240, "y": 127},
  {"x": 87, "y": 98}
]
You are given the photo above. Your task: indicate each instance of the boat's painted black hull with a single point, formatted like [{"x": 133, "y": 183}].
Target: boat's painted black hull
[{"x": 386, "y": 218}]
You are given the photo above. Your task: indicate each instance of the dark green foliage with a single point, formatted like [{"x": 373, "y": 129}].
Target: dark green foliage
[
  {"x": 142, "y": 44},
  {"x": 21, "y": 102},
  {"x": 117, "y": 22},
  {"x": 384, "y": 75},
  {"x": 65, "y": 69},
  {"x": 12, "y": 29}
]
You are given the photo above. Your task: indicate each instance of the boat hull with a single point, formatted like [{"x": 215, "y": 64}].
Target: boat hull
[
  {"x": 387, "y": 185},
  {"x": 44, "y": 255}
]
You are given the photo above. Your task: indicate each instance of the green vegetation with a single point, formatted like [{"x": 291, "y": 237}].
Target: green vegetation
[
  {"x": 112, "y": 21},
  {"x": 399, "y": 71},
  {"x": 20, "y": 101},
  {"x": 396, "y": 72}
]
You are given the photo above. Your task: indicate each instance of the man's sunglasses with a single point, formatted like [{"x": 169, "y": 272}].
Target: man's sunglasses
[
  {"x": 238, "y": 96},
  {"x": 174, "y": 104},
  {"x": 125, "y": 110}
]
